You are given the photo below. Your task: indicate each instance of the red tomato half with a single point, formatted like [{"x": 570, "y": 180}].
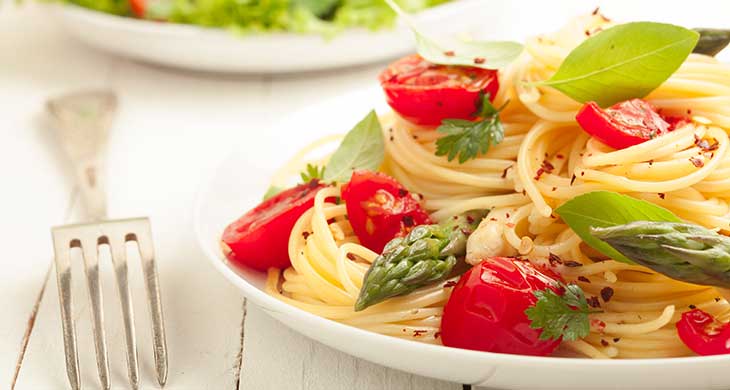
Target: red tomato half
[
  {"x": 704, "y": 335},
  {"x": 138, "y": 7},
  {"x": 624, "y": 124},
  {"x": 486, "y": 310},
  {"x": 426, "y": 93},
  {"x": 380, "y": 209},
  {"x": 260, "y": 238}
]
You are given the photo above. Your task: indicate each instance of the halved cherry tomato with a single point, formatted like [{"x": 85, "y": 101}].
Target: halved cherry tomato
[
  {"x": 380, "y": 209},
  {"x": 259, "y": 239},
  {"x": 623, "y": 124},
  {"x": 486, "y": 310},
  {"x": 138, "y": 7},
  {"x": 704, "y": 335},
  {"x": 426, "y": 94}
]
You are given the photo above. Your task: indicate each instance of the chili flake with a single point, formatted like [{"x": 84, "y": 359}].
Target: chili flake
[
  {"x": 419, "y": 333},
  {"x": 606, "y": 294},
  {"x": 449, "y": 53},
  {"x": 662, "y": 195},
  {"x": 554, "y": 259},
  {"x": 697, "y": 162},
  {"x": 479, "y": 60},
  {"x": 572, "y": 179},
  {"x": 583, "y": 279},
  {"x": 504, "y": 172},
  {"x": 572, "y": 264},
  {"x": 593, "y": 302}
]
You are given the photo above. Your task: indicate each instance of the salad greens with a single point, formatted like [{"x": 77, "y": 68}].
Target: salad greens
[{"x": 252, "y": 16}]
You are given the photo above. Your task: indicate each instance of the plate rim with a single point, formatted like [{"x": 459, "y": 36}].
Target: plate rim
[{"x": 271, "y": 304}]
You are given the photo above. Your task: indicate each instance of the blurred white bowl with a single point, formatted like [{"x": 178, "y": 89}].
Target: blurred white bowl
[{"x": 211, "y": 49}]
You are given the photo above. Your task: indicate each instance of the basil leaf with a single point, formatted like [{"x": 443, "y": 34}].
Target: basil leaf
[
  {"x": 480, "y": 54},
  {"x": 319, "y": 8},
  {"x": 712, "y": 41},
  {"x": 604, "y": 209},
  {"x": 623, "y": 62},
  {"x": 362, "y": 148}
]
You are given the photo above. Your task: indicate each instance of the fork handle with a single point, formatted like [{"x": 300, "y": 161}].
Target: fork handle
[
  {"x": 90, "y": 180},
  {"x": 82, "y": 120}
]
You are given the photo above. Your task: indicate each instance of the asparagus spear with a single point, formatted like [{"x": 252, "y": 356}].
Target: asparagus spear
[
  {"x": 426, "y": 255},
  {"x": 712, "y": 41},
  {"x": 685, "y": 252}
]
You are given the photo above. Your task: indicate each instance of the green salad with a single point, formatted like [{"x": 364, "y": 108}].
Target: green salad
[{"x": 252, "y": 16}]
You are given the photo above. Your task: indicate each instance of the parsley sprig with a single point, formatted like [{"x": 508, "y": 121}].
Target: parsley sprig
[
  {"x": 311, "y": 172},
  {"x": 467, "y": 139},
  {"x": 559, "y": 315}
]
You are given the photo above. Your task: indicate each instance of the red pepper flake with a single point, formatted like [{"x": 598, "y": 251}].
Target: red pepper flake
[
  {"x": 392, "y": 138},
  {"x": 595, "y": 11},
  {"x": 493, "y": 219},
  {"x": 572, "y": 264},
  {"x": 437, "y": 335},
  {"x": 504, "y": 172},
  {"x": 593, "y": 302},
  {"x": 606, "y": 294},
  {"x": 651, "y": 162},
  {"x": 616, "y": 339},
  {"x": 572, "y": 179},
  {"x": 582, "y": 173},
  {"x": 305, "y": 234},
  {"x": 510, "y": 225},
  {"x": 408, "y": 221},
  {"x": 351, "y": 257},
  {"x": 588, "y": 33},
  {"x": 662, "y": 195},
  {"x": 554, "y": 259},
  {"x": 449, "y": 53},
  {"x": 480, "y": 60},
  {"x": 604, "y": 343},
  {"x": 717, "y": 299},
  {"x": 598, "y": 325},
  {"x": 559, "y": 156},
  {"x": 692, "y": 307},
  {"x": 402, "y": 192},
  {"x": 524, "y": 192},
  {"x": 450, "y": 283},
  {"x": 547, "y": 166},
  {"x": 539, "y": 173},
  {"x": 583, "y": 279},
  {"x": 697, "y": 162},
  {"x": 705, "y": 144},
  {"x": 554, "y": 189},
  {"x": 506, "y": 215},
  {"x": 419, "y": 333}
]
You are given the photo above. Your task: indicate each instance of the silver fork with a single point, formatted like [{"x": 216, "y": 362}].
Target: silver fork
[{"x": 83, "y": 120}]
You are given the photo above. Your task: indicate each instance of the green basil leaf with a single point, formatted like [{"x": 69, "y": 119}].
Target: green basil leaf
[
  {"x": 712, "y": 40},
  {"x": 480, "y": 54},
  {"x": 623, "y": 62},
  {"x": 362, "y": 148},
  {"x": 319, "y": 8},
  {"x": 604, "y": 209}
]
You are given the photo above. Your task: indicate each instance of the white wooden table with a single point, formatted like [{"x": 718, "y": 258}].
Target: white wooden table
[{"x": 172, "y": 127}]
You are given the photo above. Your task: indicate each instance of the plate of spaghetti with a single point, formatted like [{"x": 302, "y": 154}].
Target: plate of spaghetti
[{"x": 559, "y": 206}]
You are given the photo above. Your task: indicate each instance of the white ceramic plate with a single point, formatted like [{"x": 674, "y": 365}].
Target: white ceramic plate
[
  {"x": 210, "y": 49},
  {"x": 238, "y": 184}
]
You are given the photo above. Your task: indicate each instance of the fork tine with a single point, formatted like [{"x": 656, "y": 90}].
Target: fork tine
[
  {"x": 63, "y": 275},
  {"x": 147, "y": 254},
  {"x": 91, "y": 261},
  {"x": 119, "y": 258}
]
